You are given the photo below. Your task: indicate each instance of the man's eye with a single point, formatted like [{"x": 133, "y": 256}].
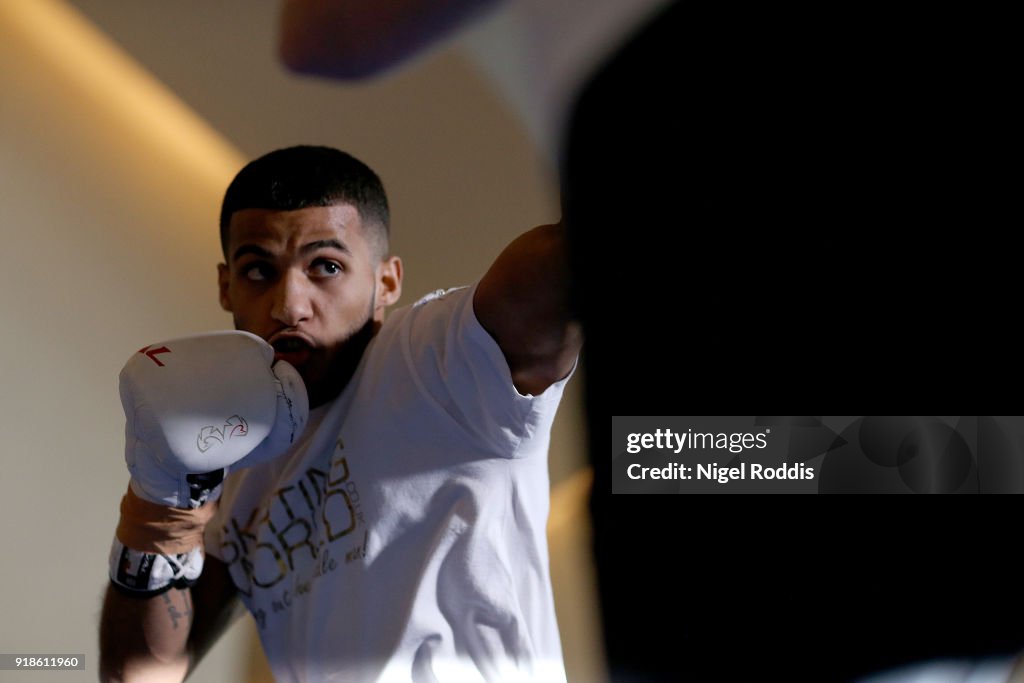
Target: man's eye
[
  {"x": 257, "y": 272},
  {"x": 326, "y": 268}
]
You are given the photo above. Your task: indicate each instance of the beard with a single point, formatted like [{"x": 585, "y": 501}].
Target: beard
[
  {"x": 327, "y": 382},
  {"x": 341, "y": 364}
]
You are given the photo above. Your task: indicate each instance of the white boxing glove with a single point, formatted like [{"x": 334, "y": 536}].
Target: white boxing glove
[{"x": 198, "y": 405}]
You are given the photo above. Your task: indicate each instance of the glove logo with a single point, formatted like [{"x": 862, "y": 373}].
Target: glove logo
[
  {"x": 152, "y": 353},
  {"x": 234, "y": 426}
]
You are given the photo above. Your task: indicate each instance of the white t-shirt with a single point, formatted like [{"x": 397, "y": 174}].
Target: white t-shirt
[{"x": 403, "y": 537}]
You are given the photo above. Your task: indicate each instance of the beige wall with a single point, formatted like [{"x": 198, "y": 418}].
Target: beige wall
[{"x": 109, "y": 190}]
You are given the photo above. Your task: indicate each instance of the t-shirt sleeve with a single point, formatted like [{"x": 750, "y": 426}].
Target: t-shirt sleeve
[{"x": 460, "y": 367}]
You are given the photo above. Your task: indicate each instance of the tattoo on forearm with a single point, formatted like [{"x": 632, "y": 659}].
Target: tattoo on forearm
[{"x": 172, "y": 609}]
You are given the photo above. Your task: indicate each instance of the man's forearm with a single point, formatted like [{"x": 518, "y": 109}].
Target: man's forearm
[
  {"x": 145, "y": 638},
  {"x": 164, "y": 637}
]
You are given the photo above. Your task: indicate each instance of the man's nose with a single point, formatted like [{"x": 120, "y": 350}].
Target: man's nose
[{"x": 292, "y": 303}]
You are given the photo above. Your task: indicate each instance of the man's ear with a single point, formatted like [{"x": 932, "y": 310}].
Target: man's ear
[
  {"x": 389, "y": 284},
  {"x": 223, "y": 280}
]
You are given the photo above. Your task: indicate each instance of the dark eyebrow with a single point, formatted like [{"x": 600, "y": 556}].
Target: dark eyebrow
[
  {"x": 250, "y": 249},
  {"x": 260, "y": 252},
  {"x": 324, "y": 244}
]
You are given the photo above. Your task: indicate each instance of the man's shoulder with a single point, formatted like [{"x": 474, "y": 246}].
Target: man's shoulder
[
  {"x": 435, "y": 310},
  {"x": 438, "y": 294}
]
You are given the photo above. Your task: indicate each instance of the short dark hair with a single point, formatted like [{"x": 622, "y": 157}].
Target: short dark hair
[{"x": 304, "y": 176}]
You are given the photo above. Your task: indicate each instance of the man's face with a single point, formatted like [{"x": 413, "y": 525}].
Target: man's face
[{"x": 311, "y": 283}]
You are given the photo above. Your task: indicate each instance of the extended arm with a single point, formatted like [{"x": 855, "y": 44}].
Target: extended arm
[
  {"x": 355, "y": 39},
  {"x": 523, "y": 302},
  {"x": 161, "y": 638}
]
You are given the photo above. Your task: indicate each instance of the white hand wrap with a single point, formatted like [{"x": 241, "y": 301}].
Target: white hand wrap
[{"x": 153, "y": 573}]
